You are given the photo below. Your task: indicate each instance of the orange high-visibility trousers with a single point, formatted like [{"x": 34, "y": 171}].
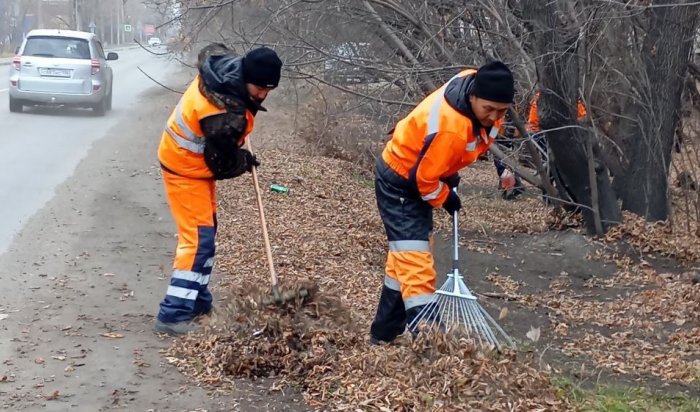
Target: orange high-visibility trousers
[
  {"x": 193, "y": 206},
  {"x": 409, "y": 280}
]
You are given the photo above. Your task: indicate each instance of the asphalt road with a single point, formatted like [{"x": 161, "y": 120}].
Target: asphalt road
[{"x": 40, "y": 148}]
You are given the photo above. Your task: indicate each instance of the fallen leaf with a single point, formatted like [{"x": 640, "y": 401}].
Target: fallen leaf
[
  {"x": 52, "y": 397},
  {"x": 503, "y": 314},
  {"x": 69, "y": 368},
  {"x": 109, "y": 274},
  {"x": 112, "y": 335},
  {"x": 533, "y": 334},
  {"x": 61, "y": 358},
  {"x": 39, "y": 361},
  {"x": 4, "y": 316}
]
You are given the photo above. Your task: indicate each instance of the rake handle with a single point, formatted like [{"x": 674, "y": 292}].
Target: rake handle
[
  {"x": 455, "y": 238},
  {"x": 266, "y": 237}
]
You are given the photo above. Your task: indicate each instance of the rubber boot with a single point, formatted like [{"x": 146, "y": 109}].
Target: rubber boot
[
  {"x": 175, "y": 328},
  {"x": 390, "y": 320}
]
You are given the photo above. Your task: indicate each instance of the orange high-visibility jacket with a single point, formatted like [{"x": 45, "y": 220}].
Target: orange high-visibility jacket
[
  {"x": 437, "y": 139},
  {"x": 181, "y": 147},
  {"x": 533, "y": 118}
]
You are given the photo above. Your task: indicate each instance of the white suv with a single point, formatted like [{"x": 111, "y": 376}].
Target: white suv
[{"x": 61, "y": 67}]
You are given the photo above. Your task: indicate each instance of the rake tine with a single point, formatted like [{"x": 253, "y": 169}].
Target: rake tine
[
  {"x": 456, "y": 308},
  {"x": 477, "y": 325},
  {"x": 498, "y": 328}
]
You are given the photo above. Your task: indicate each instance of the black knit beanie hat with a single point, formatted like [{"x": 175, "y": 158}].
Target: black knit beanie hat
[
  {"x": 494, "y": 81},
  {"x": 262, "y": 67}
]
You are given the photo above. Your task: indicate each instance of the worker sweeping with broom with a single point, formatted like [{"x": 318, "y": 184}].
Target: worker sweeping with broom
[
  {"x": 202, "y": 143},
  {"x": 417, "y": 172}
]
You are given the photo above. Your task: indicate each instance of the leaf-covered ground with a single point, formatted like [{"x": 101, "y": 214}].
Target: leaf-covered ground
[{"x": 621, "y": 309}]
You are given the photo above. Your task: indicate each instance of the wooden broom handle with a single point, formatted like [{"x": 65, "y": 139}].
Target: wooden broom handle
[{"x": 266, "y": 238}]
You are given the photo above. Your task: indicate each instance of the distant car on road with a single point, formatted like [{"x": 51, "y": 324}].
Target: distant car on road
[
  {"x": 154, "y": 41},
  {"x": 62, "y": 67}
]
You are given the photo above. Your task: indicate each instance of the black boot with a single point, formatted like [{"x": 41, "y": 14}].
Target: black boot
[{"x": 390, "y": 320}]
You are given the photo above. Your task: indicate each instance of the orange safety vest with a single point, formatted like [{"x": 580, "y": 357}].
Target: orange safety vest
[
  {"x": 533, "y": 118},
  {"x": 435, "y": 141},
  {"x": 181, "y": 148}
]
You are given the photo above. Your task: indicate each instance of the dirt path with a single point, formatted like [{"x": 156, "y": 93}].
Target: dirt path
[
  {"x": 541, "y": 278},
  {"x": 82, "y": 283}
]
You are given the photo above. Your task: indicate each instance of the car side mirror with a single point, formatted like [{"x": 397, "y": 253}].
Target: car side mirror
[{"x": 112, "y": 56}]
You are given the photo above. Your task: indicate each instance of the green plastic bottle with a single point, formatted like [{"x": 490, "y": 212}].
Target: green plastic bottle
[{"x": 279, "y": 189}]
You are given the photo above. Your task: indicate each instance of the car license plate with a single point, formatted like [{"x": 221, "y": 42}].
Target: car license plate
[{"x": 46, "y": 71}]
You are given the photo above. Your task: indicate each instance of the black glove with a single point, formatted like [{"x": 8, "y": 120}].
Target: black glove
[
  {"x": 452, "y": 180},
  {"x": 250, "y": 160},
  {"x": 452, "y": 204}
]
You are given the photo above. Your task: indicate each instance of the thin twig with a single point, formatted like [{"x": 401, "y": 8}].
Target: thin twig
[{"x": 157, "y": 82}]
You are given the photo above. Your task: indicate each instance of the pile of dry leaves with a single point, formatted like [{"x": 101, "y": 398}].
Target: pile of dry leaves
[{"x": 327, "y": 237}]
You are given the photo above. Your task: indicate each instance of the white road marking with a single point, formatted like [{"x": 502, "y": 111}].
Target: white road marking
[{"x": 3, "y": 90}]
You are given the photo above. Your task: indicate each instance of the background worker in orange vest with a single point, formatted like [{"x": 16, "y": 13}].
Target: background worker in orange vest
[
  {"x": 416, "y": 172},
  {"x": 540, "y": 138},
  {"x": 201, "y": 144},
  {"x": 512, "y": 187}
]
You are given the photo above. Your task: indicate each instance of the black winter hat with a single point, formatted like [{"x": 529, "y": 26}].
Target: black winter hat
[
  {"x": 262, "y": 67},
  {"x": 494, "y": 81}
]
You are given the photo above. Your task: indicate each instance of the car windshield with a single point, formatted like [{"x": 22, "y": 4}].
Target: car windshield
[{"x": 58, "y": 47}]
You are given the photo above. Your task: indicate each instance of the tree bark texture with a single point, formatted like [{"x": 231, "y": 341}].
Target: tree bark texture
[
  {"x": 648, "y": 125},
  {"x": 557, "y": 64}
]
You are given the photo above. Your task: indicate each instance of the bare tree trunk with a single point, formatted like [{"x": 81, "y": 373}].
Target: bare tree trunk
[
  {"x": 558, "y": 65},
  {"x": 649, "y": 124}
]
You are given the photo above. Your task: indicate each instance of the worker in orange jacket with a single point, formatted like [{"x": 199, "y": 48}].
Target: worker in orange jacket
[
  {"x": 416, "y": 173},
  {"x": 533, "y": 118},
  {"x": 201, "y": 144}
]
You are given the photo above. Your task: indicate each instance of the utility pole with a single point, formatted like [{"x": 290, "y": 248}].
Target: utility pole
[
  {"x": 120, "y": 29},
  {"x": 39, "y": 14},
  {"x": 76, "y": 15},
  {"x": 111, "y": 25},
  {"x": 123, "y": 2}
]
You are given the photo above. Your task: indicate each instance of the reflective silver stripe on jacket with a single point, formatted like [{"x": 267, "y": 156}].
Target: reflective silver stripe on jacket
[
  {"x": 188, "y": 140},
  {"x": 184, "y": 143},
  {"x": 434, "y": 194}
]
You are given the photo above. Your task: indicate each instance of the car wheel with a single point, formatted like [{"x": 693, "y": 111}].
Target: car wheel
[
  {"x": 15, "y": 105},
  {"x": 109, "y": 100},
  {"x": 100, "y": 108}
]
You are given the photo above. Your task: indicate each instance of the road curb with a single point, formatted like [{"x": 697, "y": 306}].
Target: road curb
[{"x": 7, "y": 61}]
